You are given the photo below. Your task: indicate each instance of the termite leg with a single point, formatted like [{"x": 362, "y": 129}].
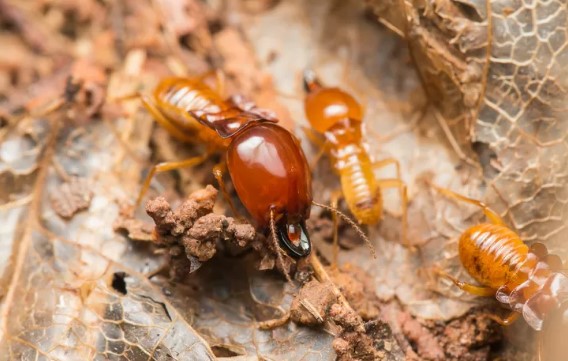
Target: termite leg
[
  {"x": 467, "y": 287},
  {"x": 149, "y": 104},
  {"x": 507, "y": 321},
  {"x": 398, "y": 183},
  {"x": 489, "y": 213},
  {"x": 218, "y": 173},
  {"x": 167, "y": 166},
  {"x": 385, "y": 162},
  {"x": 335, "y": 197},
  {"x": 322, "y": 145},
  {"x": 128, "y": 96}
]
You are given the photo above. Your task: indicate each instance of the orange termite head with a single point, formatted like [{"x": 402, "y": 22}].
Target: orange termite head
[{"x": 326, "y": 106}]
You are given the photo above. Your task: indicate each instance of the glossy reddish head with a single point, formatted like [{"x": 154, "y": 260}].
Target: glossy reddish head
[
  {"x": 270, "y": 172},
  {"x": 326, "y": 106}
]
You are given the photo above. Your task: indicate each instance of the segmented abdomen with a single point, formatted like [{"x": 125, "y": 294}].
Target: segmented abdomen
[
  {"x": 175, "y": 97},
  {"x": 497, "y": 258},
  {"x": 358, "y": 184},
  {"x": 492, "y": 254},
  {"x": 178, "y": 96}
]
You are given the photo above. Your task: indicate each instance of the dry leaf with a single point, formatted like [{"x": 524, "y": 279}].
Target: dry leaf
[
  {"x": 496, "y": 72},
  {"x": 76, "y": 289}
]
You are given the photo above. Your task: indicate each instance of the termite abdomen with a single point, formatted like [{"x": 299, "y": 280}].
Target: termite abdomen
[{"x": 525, "y": 279}]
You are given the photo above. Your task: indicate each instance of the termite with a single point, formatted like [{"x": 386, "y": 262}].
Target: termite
[
  {"x": 265, "y": 161},
  {"x": 526, "y": 279},
  {"x": 338, "y": 116}
]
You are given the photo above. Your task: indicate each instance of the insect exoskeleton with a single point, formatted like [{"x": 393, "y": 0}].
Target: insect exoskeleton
[
  {"x": 265, "y": 161},
  {"x": 335, "y": 114},
  {"x": 527, "y": 279}
]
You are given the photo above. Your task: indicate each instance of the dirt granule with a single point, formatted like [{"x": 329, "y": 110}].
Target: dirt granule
[
  {"x": 362, "y": 341},
  {"x": 71, "y": 197},
  {"x": 190, "y": 234},
  {"x": 357, "y": 287},
  {"x": 194, "y": 227},
  {"x": 311, "y": 305},
  {"x": 423, "y": 341},
  {"x": 135, "y": 229},
  {"x": 470, "y": 337}
]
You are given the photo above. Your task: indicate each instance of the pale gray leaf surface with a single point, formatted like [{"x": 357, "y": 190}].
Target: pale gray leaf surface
[{"x": 225, "y": 310}]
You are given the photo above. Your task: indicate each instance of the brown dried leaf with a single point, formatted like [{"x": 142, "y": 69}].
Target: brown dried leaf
[
  {"x": 75, "y": 289},
  {"x": 523, "y": 120},
  {"x": 71, "y": 197},
  {"x": 448, "y": 43},
  {"x": 84, "y": 299}
]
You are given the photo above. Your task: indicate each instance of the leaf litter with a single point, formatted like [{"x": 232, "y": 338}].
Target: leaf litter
[{"x": 73, "y": 288}]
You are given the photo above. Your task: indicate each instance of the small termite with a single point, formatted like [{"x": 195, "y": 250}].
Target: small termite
[
  {"x": 265, "y": 161},
  {"x": 526, "y": 279},
  {"x": 338, "y": 116}
]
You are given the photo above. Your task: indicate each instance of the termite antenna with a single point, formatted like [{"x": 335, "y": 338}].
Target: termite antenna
[
  {"x": 277, "y": 246},
  {"x": 311, "y": 81},
  {"x": 351, "y": 223}
]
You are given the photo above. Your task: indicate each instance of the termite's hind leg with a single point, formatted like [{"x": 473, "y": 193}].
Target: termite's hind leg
[
  {"x": 167, "y": 166},
  {"x": 507, "y": 321},
  {"x": 467, "y": 287},
  {"x": 539, "y": 346},
  {"x": 489, "y": 213},
  {"x": 398, "y": 183}
]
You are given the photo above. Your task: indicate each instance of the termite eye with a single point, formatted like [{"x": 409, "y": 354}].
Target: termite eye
[{"x": 294, "y": 238}]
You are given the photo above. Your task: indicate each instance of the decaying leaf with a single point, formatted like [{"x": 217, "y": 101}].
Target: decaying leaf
[
  {"x": 71, "y": 197},
  {"x": 72, "y": 288},
  {"x": 68, "y": 271}
]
